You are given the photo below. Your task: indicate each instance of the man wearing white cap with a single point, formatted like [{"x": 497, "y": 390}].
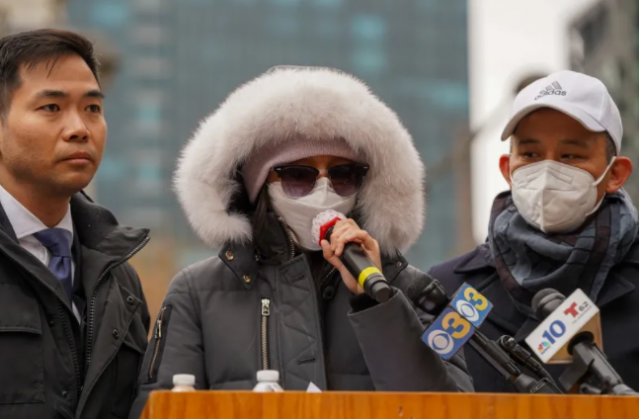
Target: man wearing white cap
[{"x": 566, "y": 223}]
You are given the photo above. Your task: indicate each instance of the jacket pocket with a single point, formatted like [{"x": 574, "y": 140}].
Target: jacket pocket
[
  {"x": 158, "y": 342},
  {"x": 127, "y": 365},
  {"x": 21, "y": 347}
]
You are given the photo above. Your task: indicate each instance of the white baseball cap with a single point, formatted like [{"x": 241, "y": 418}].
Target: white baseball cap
[{"x": 582, "y": 97}]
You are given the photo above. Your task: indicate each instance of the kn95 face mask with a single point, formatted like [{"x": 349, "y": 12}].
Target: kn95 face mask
[{"x": 555, "y": 197}]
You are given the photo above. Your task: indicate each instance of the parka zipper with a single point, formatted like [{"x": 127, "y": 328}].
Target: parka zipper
[
  {"x": 264, "y": 332},
  {"x": 327, "y": 277},
  {"x": 72, "y": 347},
  {"x": 158, "y": 340}
]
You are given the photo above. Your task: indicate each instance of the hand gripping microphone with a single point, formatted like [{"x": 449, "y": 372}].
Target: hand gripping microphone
[
  {"x": 570, "y": 332},
  {"x": 457, "y": 322},
  {"x": 353, "y": 257}
]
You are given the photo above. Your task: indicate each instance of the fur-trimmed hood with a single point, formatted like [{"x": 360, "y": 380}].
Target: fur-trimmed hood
[{"x": 317, "y": 103}]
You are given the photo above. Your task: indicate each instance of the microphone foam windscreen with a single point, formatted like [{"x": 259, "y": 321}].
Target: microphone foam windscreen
[
  {"x": 535, "y": 302},
  {"x": 414, "y": 291},
  {"x": 324, "y": 221}
]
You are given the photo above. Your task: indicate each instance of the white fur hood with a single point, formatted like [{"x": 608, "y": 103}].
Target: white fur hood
[{"x": 317, "y": 103}]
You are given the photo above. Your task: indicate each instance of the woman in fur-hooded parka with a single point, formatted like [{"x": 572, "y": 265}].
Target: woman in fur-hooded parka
[{"x": 266, "y": 302}]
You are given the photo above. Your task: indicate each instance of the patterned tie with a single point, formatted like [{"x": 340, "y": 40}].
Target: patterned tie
[{"x": 57, "y": 241}]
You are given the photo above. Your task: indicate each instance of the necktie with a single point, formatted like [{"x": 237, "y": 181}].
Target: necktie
[{"x": 58, "y": 242}]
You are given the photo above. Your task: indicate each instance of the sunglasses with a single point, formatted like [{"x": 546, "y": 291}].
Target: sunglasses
[{"x": 299, "y": 181}]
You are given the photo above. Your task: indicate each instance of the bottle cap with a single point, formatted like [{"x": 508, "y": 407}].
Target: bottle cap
[
  {"x": 184, "y": 380},
  {"x": 268, "y": 376}
]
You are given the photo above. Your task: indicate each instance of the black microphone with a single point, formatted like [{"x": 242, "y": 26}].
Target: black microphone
[
  {"x": 427, "y": 293},
  {"x": 589, "y": 369},
  {"x": 353, "y": 257}
]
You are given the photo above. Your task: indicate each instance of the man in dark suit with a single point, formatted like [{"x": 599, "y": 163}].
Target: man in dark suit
[
  {"x": 566, "y": 223},
  {"x": 73, "y": 318}
]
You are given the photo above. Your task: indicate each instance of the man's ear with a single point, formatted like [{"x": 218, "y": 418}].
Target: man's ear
[
  {"x": 619, "y": 173},
  {"x": 505, "y": 167}
]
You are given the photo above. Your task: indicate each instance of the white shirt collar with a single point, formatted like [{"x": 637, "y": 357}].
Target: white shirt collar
[{"x": 24, "y": 223}]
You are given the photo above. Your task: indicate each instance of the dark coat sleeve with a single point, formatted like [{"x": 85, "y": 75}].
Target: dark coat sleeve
[
  {"x": 176, "y": 346},
  {"x": 398, "y": 360}
]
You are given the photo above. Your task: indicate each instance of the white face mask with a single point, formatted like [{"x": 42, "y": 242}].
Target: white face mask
[
  {"x": 555, "y": 197},
  {"x": 298, "y": 213}
]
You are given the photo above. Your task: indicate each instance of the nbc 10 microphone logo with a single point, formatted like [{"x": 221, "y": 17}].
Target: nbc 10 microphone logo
[
  {"x": 448, "y": 333},
  {"x": 471, "y": 305}
]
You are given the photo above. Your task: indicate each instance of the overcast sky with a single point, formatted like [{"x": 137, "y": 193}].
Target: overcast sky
[{"x": 508, "y": 39}]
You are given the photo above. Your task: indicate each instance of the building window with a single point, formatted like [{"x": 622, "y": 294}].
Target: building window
[
  {"x": 109, "y": 14},
  {"x": 149, "y": 113},
  {"x": 148, "y": 106},
  {"x": 447, "y": 95},
  {"x": 213, "y": 51},
  {"x": 153, "y": 35},
  {"x": 368, "y": 28},
  {"x": 329, "y": 4},
  {"x": 327, "y": 28},
  {"x": 285, "y": 25},
  {"x": 285, "y": 2},
  {"x": 153, "y": 6},
  {"x": 112, "y": 169},
  {"x": 148, "y": 171},
  {"x": 152, "y": 67},
  {"x": 369, "y": 61}
]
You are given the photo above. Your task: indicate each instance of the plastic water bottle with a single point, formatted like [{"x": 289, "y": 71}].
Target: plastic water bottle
[
  {"x": 268, "y": 382},
  {"x": 184, "y": 383}
]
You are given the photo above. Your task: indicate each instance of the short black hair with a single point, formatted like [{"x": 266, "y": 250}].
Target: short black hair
[{"x": 29, "y": 49}]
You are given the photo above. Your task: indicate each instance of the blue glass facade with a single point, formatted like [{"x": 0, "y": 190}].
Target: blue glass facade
[{"x": 180, "y": 58}]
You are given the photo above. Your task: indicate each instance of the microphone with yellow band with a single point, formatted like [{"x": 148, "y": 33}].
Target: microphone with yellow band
[{"x": 353, "y": 257}]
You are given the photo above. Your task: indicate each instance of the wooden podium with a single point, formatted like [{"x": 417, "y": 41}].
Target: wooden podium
[{"x": 336, "y": 405}]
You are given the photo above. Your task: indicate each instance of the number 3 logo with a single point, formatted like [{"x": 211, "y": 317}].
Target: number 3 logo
[
  {"x": 472, "y": 295},
  {"x": 454, "y": 321}
]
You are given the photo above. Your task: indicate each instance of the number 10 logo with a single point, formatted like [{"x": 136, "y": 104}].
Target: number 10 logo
[{"x": 556, "y": 330}]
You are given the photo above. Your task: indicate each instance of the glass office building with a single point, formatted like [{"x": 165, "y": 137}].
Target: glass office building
[{"x": 180, "y": 58}]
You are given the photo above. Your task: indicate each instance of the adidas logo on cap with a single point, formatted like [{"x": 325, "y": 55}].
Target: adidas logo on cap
[
  {"x": 552, "y": 89},
  {"x": 582, "y": 97}
]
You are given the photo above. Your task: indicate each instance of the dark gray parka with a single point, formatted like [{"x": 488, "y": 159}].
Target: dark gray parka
[{"x": 231, "y": 315}]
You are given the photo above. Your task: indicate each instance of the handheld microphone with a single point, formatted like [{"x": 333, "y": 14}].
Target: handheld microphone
[
  {"x": 353, "y": 257},
  {"x": 570, "y": 332},
  {"x": 457, "y": 323}
]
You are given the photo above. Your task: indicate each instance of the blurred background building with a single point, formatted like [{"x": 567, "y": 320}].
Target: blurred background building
[
  {"x": 180, "y": 59},
  {"x": 17, "y": 15},
  {"x": 605, "y": 45},
  {"x": 448, "y": 68}
]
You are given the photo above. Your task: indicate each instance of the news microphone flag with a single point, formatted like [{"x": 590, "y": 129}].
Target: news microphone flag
[
  {"x": 466, "y": 311},
  {"x": 472, "y": 305},
  {"x": 577, "y": 313}
]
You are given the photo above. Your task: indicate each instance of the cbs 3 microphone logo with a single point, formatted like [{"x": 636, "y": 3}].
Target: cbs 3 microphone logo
[
  {"x": 472, "y": 305},
  {"x": 457, "y": 323},
  {"x": 448, "y": 333}
]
